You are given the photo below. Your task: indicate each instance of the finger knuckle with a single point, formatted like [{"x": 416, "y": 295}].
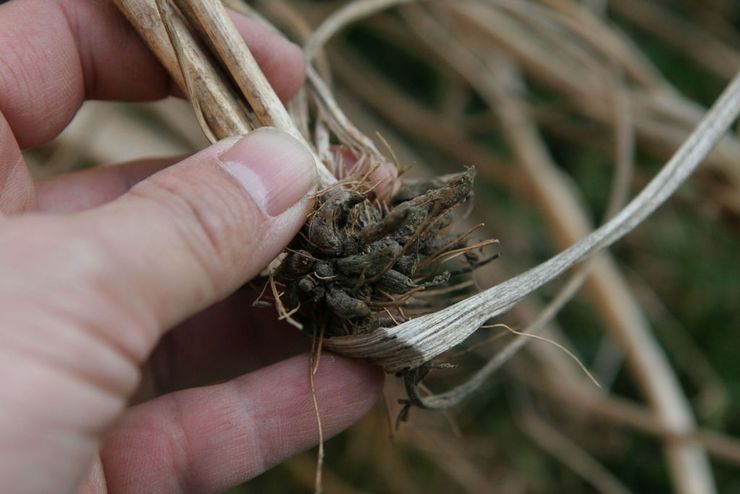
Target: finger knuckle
[{"x": 211, "y": 220}]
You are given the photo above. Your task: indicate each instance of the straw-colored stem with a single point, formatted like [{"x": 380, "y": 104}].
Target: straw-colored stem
[
  {"x": 212, "y": 21},
  {"x": 684, "y": 35},
  {"x": 620, "y": 411},
  {"x": 191, "y": 68},
  {"x": 499, "y": 85},
  {"x": 567, "y": 451},
  {"x": 219, "y": 106}
]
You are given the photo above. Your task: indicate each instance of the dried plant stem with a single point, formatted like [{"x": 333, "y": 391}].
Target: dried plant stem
[
  {"x": 653, "y": 373},
  {"x": 685, "y": 36},
  {"x": 569, "y": 453},
  {"x": 220, "y": 107},
  {"x": 191, "y": 69},
  {"x": 621, "y": 411},
  {"x": 609, "y": 42},
  {"x": 210, "y": 18},
  {"x": 417, "y": 341},
  {"x": 459, "y": 393},
  {"x": 499, "y": 85},
  {"x": 212, "y": 21},
  {"x": 663, "y": 117},
  {"x": 420, "y": 122},
  {"x": 341, "y": 18},
  {"x": 312, "y": 369}
]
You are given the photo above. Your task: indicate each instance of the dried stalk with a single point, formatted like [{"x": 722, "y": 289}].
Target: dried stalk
[
  {"x": 704, "y": 49},
  {"x": 648, "y": 363},
  {"x": 411, "y": 344},
  {"x": 220, "y": 107},
  {"x": 191, "y": 68},
  {"x": 565, "y": 450},
  {"x": 349, "y": 14},
  {"x": 415, "y": 342},
  {"x": 621, "y": 411},
  {"x": 421, "y": 123},
  {"x": 210, "y": 18},
  {"x": 663, "y": 117}
]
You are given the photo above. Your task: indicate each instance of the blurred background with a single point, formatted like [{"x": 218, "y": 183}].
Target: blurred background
[{"x": 566, "y": 108}]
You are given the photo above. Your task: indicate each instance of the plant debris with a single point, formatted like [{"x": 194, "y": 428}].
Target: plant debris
[{"x": 359, "y": 263}]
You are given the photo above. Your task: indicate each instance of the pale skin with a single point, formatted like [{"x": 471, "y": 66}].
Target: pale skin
[{"x": 124, "y": 279}]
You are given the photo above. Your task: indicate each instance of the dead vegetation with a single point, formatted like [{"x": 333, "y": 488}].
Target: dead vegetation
[
  {"x": 529, "y": 74},
  {"x": 360, "y": 262}
]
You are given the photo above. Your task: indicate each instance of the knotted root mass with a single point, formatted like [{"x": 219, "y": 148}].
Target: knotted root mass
[{"x": 360, "y": 263}]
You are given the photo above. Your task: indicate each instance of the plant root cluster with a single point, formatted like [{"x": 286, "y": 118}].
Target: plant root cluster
[{"x": 360, "y": 263}]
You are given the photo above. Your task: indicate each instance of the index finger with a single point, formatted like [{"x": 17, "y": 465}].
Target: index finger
[
  {"x": 53, "y": 55},
  {"x": 212, "y": 438}
]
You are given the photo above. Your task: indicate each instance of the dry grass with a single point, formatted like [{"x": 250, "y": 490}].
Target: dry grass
[{"x": 590, "y": 92}]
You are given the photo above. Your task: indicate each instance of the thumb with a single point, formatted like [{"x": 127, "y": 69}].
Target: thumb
[
  {"x": 85, "y": 297},
  {"x": 193, "y": 233}
]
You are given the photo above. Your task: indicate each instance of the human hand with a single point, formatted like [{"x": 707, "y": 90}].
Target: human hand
[{"x": 96, "y": 269}]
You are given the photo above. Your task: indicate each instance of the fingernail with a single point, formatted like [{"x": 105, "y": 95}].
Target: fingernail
[{"x": 275, "y": 168}]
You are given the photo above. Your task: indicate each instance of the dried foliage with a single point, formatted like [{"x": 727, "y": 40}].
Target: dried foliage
[
  {"x": 360, "y": 262},
  {"x": 532, "y": 77}
]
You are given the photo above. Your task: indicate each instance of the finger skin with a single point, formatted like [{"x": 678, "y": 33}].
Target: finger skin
[
  {"x": 84, "y": 298},
  {"x": 56, "y": 53},
  {"x": 227, "y": 340},
  {"x": 16, "y": 185},
  {"x": 210, "y": 439},
  {"x": 211, "y": 232},
  {"x": 86, "y": 189},
  {"x": 177, "y": 243}
]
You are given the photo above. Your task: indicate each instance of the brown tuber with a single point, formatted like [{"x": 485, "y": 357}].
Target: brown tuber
[{"x": 359, "y": 261}]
